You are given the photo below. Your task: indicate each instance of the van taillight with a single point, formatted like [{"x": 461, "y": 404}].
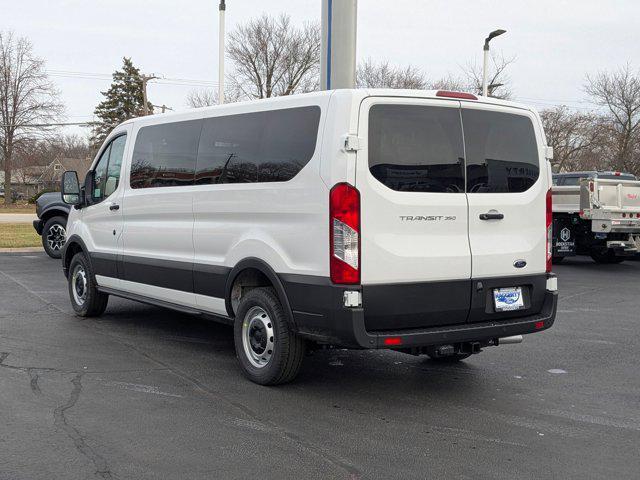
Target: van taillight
[
  {"x": 549, "y": 230},
  {"x": 344, "y": 232}
]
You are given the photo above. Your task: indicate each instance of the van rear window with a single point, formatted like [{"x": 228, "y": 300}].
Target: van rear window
[
  {"x": 501, "y": 152},
  {"x": 416, "y": 148}
]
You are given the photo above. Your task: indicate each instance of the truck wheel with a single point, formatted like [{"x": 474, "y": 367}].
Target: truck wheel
[
  {"x": 86, "y": 300},
  {"x": 606, "y": 257},
  {"x": 268, "y": 351},
  {"x": 54, "y": 234}
]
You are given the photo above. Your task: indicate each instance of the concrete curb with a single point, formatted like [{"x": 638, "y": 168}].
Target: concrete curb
[{"x": 21, "y": 250}]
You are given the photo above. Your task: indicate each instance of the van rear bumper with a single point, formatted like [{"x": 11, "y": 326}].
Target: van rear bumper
[{"x": 337, "y": 325}]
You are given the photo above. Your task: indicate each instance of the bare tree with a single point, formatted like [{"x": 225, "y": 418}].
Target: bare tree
[
  {"x": 451, "y": 83},
  {"x": 206, "y": 97},
  {"x": 498, "y": 79},
  {"x": 577, "y": 138},
  {"x": 370, "y": 74},
  {"x": 619, "y": 93},
  {"x": 271, "y": 57},
  {"x": 27, "y": 100}
]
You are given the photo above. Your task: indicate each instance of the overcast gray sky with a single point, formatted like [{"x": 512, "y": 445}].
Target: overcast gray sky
[{"x": 556, "y": 42}]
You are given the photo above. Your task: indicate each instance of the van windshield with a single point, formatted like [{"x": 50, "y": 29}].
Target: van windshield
[{"x": 417, "y": 148}]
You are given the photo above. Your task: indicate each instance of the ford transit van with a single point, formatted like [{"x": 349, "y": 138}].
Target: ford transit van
[{"x": 418, "y": 221}]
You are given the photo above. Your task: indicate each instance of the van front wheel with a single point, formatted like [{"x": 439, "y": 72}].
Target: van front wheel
[
  {"x": 86, "y": 300},
  {"x": 268, "y": 350}
]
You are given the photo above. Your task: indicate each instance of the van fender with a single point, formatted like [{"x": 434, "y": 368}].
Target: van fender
[
  {"x": 264, "y": 268},
  {"x": 73, "y": 239}
]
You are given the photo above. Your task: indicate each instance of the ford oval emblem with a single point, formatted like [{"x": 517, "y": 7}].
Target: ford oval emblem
[{"x": 520, "y": 263}]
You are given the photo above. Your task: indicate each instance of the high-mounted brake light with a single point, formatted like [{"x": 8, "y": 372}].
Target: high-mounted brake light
[
  {"x": 549, "y": 230},
  {"x": 461, "y": 95},
  {"x": 344, "y": 233}
]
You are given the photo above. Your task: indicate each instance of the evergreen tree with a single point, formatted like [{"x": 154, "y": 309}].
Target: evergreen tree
[{"x": 123, "y": 100}]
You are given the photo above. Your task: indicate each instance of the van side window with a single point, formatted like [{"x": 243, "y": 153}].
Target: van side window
[
  {"x": 271, "y": 146},
  {"x": 165, "y": 155},
  {"x": 415, "y": 148},
  {"x": 106, "y": 176},
  {"x": 502, "y": 153},
  {"x": 100, "y": 176},
  {"x": 115, "y": 164}
]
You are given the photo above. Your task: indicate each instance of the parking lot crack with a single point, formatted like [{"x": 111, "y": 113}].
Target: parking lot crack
[
  {"x": 3, "y": 357},
  {"x": 33, "y": 381},
  {"x": 61, "y": 421}
]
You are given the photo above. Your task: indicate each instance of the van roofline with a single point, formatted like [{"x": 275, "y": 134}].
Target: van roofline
[{"x": 357, "y": 94}]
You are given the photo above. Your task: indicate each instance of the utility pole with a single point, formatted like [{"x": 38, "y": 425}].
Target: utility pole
[
  {"x": 485, "y": 60},
  {"x": 221, "y": 9},
  {"x": 163, "y": 108},
  {"x": 145, "y": 80}
]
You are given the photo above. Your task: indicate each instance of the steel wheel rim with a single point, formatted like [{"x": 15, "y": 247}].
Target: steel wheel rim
[
  {"x": 56, "y": 236},
  {"x": 79, "y": 285},
  {"x": 258, "y": 337}
]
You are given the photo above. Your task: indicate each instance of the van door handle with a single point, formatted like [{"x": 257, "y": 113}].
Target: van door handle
[
  {"x": 114, "y": 206},
  {"x": 491, "y": 215}
]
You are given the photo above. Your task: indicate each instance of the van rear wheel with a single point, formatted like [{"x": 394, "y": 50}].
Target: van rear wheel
[{"x": 268, "y": 350}]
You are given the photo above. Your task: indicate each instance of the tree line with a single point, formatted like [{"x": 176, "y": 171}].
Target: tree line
[{"x": 269, "y": 57}]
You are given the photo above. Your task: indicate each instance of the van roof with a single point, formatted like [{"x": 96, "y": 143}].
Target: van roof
[{"x": 356, "y": 95}]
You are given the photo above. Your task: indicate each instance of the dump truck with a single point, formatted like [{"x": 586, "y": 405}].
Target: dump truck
[{"x": 596, "y": 214}]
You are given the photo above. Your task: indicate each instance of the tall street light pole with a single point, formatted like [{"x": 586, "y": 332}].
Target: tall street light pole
[
  {"x": 485, "y": 61},
  {"x": 222, "y": 7}
]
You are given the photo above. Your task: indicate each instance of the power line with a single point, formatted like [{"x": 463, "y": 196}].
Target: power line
[
  {"x": 40, "y": 125},
  {"x": 107, "y": 76}
]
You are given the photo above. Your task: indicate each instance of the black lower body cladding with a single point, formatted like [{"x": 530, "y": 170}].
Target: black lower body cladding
[{"x": 421, "y": 314}]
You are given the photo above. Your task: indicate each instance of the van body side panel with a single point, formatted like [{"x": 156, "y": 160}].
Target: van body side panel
[
  {"x": 158, "y": 232},
  {"x": 337, "y": 165},
  {"x": 283, "y": 223}
]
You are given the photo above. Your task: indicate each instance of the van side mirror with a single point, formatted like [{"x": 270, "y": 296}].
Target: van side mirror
[{"x": 70, "y": 188}]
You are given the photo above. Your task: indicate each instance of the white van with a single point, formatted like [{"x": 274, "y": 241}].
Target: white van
[{"x": 412, "y": 220}]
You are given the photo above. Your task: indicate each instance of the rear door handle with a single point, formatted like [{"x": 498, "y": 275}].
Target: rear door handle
[
  {"x": 491, "y": 215},
  {"x": 114, "y": 206}
]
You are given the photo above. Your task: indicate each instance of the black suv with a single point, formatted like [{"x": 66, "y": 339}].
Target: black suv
[{"x": 51, "y": 224}]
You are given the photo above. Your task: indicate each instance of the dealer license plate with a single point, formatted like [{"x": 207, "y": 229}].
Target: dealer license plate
[{"x": 507, "y": 299}]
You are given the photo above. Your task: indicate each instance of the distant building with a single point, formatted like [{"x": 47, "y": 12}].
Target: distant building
[{"x": 28, "y": 181}]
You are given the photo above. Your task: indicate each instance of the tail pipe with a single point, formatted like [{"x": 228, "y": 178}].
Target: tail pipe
[{"x": 507, "y": 340}]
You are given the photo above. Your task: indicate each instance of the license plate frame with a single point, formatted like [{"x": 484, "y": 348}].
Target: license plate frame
[{"x": 508, "y": 299}]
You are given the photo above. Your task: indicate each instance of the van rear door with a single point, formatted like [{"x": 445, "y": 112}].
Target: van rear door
[
  {"x": 415, "y": 257},
  {"x": 507, "y": 185}
]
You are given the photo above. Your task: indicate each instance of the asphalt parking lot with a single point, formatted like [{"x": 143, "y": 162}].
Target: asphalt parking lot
[{"x": 145, "y": 393}]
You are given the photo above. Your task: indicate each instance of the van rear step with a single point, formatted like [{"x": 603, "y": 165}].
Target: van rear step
[{"x": 464, "y": 348}]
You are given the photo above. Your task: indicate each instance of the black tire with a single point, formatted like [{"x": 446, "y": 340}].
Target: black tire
[
  {"x": 86, "y": 301},
  {"x": 557, "y": 260},
  {"x": 53, "y": 229},
  {"x": 606, "y": 257},
  {"x": 287, "y": 349}
]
